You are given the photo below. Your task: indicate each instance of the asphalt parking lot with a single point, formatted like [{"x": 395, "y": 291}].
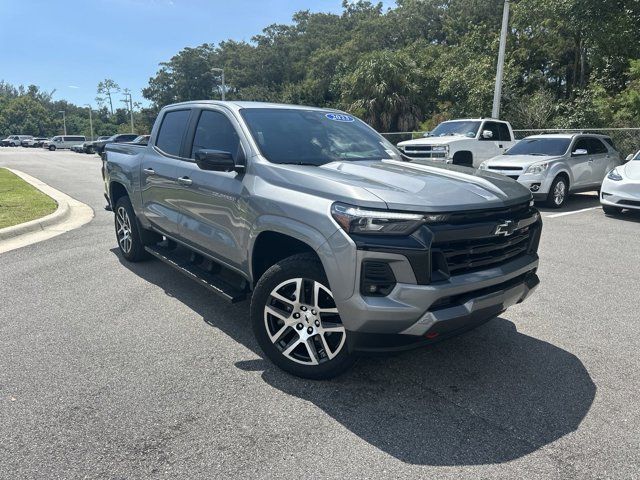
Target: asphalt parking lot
[{"x": 112, "y": 370}]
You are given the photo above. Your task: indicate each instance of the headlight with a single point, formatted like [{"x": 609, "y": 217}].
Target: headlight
[
  {"x": 537, "y": 167},
  {"x": 373, "y": 222},
  {"x": 614, "y": 175},
  {"x": 440, "y": 148}
]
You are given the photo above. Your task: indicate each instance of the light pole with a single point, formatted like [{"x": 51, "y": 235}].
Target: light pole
[
  {"x": 90, "y": 120},
  {"x": 221, "y": 70},
  {"x": 130, "y": 103},
  {"x": 497, "y": 94},
  {"x": 64, "y": 121}
]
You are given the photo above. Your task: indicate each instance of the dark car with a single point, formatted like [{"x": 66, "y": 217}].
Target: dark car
[{"x": 99, "y": 145}]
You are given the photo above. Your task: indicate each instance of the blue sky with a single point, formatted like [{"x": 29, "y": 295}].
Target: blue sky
[{"x": 70, "y": 46}]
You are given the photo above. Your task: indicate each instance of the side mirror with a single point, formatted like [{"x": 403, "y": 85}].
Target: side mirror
[
  {"x": 426, "y": 134},
  {"x": 487, "y": 134},
  {"x": 215, "y": 160},
  {"x": 629, "y": 158},
  {"x": 579, "y": 152}
]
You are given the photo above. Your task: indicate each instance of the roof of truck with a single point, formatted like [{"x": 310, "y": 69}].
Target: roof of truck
[{"x": 238, "y": 105}]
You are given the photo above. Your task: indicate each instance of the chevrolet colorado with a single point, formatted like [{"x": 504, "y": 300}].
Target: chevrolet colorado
[{"x": 344, "y": 245}]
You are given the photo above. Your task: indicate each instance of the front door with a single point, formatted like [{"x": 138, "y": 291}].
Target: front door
[
  {"x": 581, "y": 165},
  {"x": 210, "y": 202}
]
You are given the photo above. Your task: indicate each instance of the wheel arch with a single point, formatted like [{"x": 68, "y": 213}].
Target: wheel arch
[{"x": 463, "y": 158}]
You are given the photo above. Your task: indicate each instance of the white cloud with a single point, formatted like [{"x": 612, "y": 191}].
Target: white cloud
[{"x": 72, "y": 86}]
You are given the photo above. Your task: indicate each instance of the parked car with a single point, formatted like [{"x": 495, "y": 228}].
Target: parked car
[
  {"x": 78, "y": 148},
  {"x": 621, "y": 187},
  {"x": 553, "y": 166},
  {"x": 64, "y": 141},
  {"x": 345, "y": 246},
  {"x": 141, "y": 139},
  {"x": 90, "y": 147},
  {"x": 120, "y": 138},
  {"x": 466, "y": 142},
  {"x": 14, "y": 140},
  {"x": 33, "y": 142}
]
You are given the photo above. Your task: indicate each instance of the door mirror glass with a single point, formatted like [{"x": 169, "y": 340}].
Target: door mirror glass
[
  {"x": 580, "y": 151},
  {"x": 215, "y": 160},
  {"x": 487, "y": 134}
]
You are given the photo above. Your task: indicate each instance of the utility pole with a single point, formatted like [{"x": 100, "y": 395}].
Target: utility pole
[
  {"x": 497, "y": 95},
  {"x": 129, "y": 102},
  {"x": 90, "y": 120},
  {"x": 224, "y": 88},
  {"x": 64, "y": 121}
]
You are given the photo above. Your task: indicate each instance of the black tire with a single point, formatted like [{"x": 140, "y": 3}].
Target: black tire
[
  {"x": 308, "y": 268},
  {"x": 609, "y": 210},
  {"x": 558, "y": 199},
  {"x": 52, "y": 148},
  {"x": 133, "y": 248}
]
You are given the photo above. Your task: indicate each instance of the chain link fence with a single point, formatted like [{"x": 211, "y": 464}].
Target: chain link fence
[{"x": 626, "y": 140}]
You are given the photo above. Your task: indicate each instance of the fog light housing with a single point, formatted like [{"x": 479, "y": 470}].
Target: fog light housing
[
  {"x": 534, "y": 187},
  {"x": 376, "y": 279}
]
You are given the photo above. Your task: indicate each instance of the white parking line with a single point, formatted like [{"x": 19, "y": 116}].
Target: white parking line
[{"x": 564, "y": 214}]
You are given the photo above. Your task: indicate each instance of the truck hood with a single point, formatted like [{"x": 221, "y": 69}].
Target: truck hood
[
  {"x": 434, "y": 140},
  {"x": 632, "y": 170},
  {"x": 419, "y": 186},
  {"x": 519, "y": 160}
]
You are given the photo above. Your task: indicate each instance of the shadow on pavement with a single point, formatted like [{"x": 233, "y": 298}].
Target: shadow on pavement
[
  {"x": 573, "y": 203},
  {"x": 490, "y": 396}
]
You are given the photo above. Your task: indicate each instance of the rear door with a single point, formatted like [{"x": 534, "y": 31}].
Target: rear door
[
  {"x": 158, "y": 174},
  {"x": 581, "y": 165},
  {"x": 600, "y": 160},
  {"x": 210, "y": 202}
]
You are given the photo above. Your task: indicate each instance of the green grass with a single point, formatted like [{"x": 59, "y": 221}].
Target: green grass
[{"x": 20, "y": 202}]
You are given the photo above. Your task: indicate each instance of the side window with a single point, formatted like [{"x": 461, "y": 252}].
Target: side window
[
  {"x": 582, "y": 144},
  {"x": 505, "y": 134},
  {"x": 597, "y": 147},
  {"x": 493, "y": 128},
  {"x": 215, "y": 132},
  {"x": 172, "y": 130}
]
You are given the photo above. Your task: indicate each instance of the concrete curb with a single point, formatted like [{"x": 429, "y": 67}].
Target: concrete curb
[{"x": 69, "y": 215}]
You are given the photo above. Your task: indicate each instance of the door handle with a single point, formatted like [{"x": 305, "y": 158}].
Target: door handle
[
  {"x": 185, "y": 181},
  {"x": 149, "y": 171}
]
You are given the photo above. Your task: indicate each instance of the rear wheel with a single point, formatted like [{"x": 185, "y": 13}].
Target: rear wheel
[
  {"x": 52, "y": 147},
  {"x": 129, "y": 234},
  {"x": 296, "y": 321},
  {"x": 609, "y": 210},
  {"x": 558, "y": 192}
]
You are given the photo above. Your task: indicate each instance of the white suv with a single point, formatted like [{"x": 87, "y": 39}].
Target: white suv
[
  {"x": 15, "y": 140},
  {"x": 554, "y": 165}
]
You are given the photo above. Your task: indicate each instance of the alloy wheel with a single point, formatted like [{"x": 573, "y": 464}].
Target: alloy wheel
[
  {"x": 559, "y": 192},
  {"x": 123, "y": 230},
  {"x": 303, "y": 323}
]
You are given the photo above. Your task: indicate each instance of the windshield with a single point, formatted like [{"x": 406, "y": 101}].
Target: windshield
[
  {"x": 313, "y": 137},
  {"x": 467, "y": 128},
  {"x": 540, "y": 146},
  {"x": 637, "y": 157}
]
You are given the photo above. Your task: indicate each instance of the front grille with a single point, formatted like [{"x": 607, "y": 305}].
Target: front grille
[
  {"x": 511, "y": 169},
  {"x": 469, "y": 242},
  {"x": 423, "y": 151},
  {"x": 633, "y": 203},
  {"x": 466, "y": 256}
]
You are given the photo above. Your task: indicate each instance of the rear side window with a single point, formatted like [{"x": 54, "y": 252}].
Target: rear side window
[
  {"x": 174, "y": 124},
  {"x": 596, "y": 146},
  {"x": 505, "y": 134},
  {"x": 610, "y": 142},
  {"x": 215, "y": 132}
]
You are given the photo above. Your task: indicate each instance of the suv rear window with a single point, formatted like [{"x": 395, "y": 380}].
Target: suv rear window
[{"x": 171, "y": 132}]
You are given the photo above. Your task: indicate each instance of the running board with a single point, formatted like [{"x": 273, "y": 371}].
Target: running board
[{"x": 190, "y": 265}]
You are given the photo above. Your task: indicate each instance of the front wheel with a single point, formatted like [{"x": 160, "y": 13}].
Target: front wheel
[
  {"x": 52, "y": 148},
  {"x": 608, "y": 210},
  {"x": 128, "y": 232},
  {"x": 558, "y": 192},
  {"x": 296, "y": 321}
]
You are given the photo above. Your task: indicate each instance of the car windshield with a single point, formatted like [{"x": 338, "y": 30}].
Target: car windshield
[
  {"x": 540, "y": 146},
  {"x": 314, "y": 137},
  {"x": 467, "y": 128},
  {"x": 637, "y": 157}
]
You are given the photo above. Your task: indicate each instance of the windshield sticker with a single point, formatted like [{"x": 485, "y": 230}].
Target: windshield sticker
[{"x": 338, "y": 117}]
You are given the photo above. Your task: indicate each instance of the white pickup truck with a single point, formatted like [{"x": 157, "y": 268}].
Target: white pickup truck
[{"x": 467, "y": 142}]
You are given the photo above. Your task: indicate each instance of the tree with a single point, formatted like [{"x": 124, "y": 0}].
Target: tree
[{"x": 107, "y": 88}]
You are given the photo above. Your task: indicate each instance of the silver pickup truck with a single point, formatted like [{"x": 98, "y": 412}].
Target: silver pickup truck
[{"x": 344, "y": 245}]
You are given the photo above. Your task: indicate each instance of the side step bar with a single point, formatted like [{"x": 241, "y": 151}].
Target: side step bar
[{"x": 189, "y": 265}]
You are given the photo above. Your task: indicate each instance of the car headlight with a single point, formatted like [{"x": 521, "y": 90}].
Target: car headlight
[
  {"x": 614, "y": 175},
  {"x": 537, "y": 167},
  {"x": 440, "y": 148},
  {"x": 356, "y": 220}
]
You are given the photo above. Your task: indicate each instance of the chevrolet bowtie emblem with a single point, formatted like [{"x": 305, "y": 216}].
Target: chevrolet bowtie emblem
[{"x": 506, "y": 229}]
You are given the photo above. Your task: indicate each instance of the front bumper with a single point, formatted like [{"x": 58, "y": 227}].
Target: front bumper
[{"x": 622, "y": 194}]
